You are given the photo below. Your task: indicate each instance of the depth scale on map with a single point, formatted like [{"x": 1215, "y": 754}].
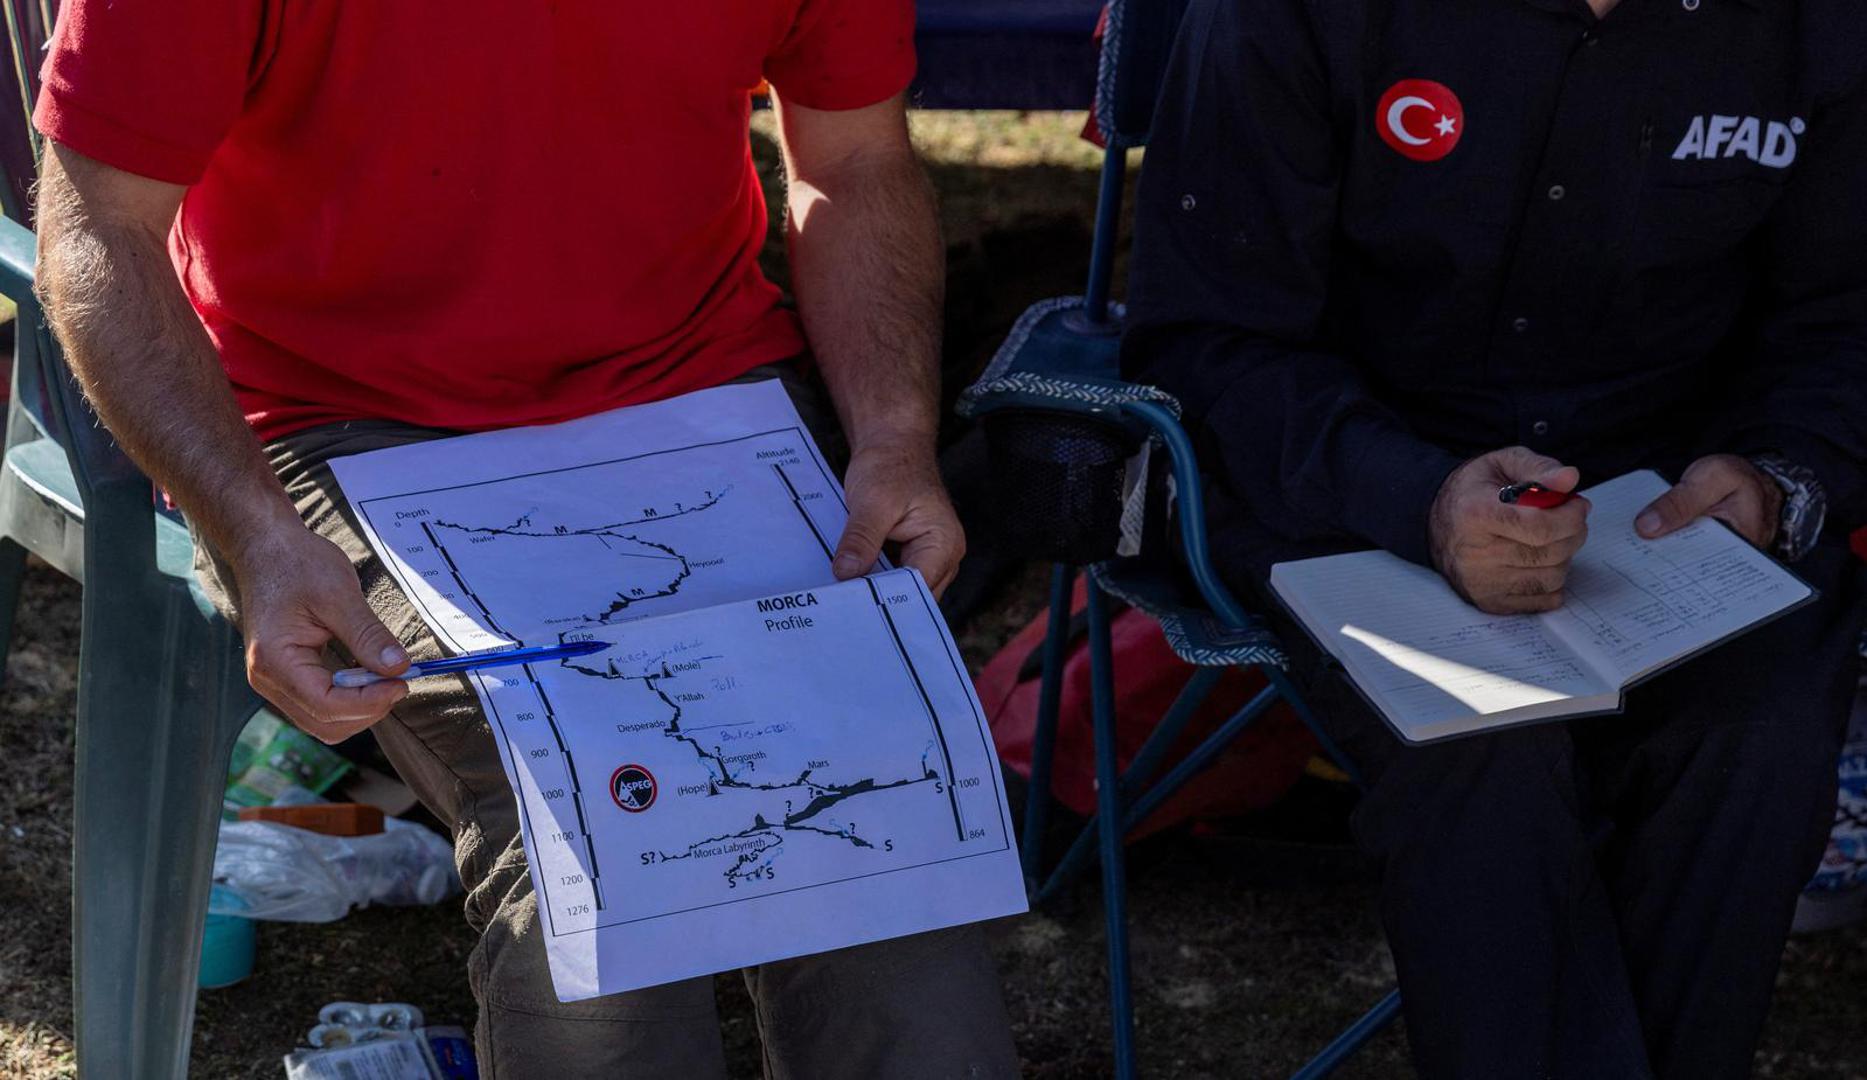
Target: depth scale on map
[{"x": 766, "y": 762}]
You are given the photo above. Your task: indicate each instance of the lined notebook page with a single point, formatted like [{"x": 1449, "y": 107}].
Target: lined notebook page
[
  {"x": 1432, "y": 663},
  {"x": 1636, "y": 605}
]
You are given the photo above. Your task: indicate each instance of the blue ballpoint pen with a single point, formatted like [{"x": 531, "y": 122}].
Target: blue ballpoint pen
[{"x": 356, "y": 676}]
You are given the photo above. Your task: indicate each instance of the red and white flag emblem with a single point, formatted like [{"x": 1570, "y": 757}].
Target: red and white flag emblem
[{"x": 1420, "y": 118}]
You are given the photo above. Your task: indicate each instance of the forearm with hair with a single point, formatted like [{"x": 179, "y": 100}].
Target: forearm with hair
[
  {"x": 869, "y": 272},
  {"x": 148, "y": 368}
]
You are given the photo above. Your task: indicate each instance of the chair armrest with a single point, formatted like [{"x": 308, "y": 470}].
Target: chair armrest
[
  {"x": 1051, "y": 405},
  {"x": 1190, "y": 500},
  {"x": 19, "y": 261}
]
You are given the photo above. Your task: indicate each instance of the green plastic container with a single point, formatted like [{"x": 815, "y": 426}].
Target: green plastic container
[{"x": 272, "y": 756}]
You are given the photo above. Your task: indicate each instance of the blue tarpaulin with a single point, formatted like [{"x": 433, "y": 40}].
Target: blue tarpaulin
[{"x": 1006, "y": 54}]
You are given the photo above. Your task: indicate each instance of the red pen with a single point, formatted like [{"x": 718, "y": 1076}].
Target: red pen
[{"x": 1534, "y": 495}]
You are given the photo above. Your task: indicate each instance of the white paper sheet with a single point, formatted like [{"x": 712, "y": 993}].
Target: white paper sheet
[{"x": 766, "y": 763}]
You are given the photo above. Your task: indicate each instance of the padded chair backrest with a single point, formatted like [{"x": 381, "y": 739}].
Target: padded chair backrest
[
  {"x": 28, "y": 26},
  {"x": 42, "y": 384},
  {"x": 1135, "y": 48},
  {"x": 1136, "y": 44}
]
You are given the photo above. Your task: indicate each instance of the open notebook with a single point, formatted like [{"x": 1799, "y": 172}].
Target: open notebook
[{"x": 1435, "y": 667}]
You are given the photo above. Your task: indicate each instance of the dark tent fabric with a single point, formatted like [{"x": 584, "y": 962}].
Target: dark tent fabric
[{"x": 1006, "y": 54}]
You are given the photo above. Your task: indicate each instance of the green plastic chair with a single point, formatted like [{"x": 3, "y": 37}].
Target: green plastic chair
[{"x": 162, "y": 690}]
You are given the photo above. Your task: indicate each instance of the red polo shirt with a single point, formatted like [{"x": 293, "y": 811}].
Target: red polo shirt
[{"x": 470, "y": 214}]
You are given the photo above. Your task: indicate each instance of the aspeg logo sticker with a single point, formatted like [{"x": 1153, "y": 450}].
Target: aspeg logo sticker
[
  {"x": 633, "y": 788},
  {"x": 1421, "y": 119}
]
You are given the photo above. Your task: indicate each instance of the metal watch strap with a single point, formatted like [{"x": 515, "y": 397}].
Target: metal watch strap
[{"x": 1805, "y": 505}]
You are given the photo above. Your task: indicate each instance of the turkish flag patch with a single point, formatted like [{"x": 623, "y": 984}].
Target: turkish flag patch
[{"x": 1420, "y": 119}]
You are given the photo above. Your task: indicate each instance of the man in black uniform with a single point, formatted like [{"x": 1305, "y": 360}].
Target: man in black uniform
[{"x": 1393, "y": 254}]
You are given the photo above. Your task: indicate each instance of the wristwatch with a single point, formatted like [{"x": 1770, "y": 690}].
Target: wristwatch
[{"x": 1805, "y": 505}]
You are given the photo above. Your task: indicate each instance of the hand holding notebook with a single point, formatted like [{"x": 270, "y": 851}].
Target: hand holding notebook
[{"x": 1434, "y": 666}]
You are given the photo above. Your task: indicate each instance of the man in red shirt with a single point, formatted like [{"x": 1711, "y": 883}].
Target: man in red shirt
[{"x": 273, "y": 233}]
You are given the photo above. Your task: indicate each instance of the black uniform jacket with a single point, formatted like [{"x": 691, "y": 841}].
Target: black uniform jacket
[{"x": 1377, "y": 237}]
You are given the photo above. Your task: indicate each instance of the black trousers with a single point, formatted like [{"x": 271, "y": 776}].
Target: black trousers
[{"x": 1608, "y": 898}]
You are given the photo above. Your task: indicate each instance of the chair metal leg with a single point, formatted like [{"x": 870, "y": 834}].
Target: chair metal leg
[
  {"x": 1202, "y": 756},
  {"x": 1153, "y": 752},
  {"x": 1108, "y": 801},
  {"x": 1281, "y": 679},
  {"x": 1076, "y": 859},
  {"x": 1140, "y": 770},
  {"x": 160, "y": 701},
  {"x": 1351, "y": 1040},
  {"x": 1108, "y": 228},
  {"x": 1044, "y": 742}
]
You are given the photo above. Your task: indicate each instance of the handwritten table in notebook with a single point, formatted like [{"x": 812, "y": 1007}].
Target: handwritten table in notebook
[{"x": 1434, "y": 667}]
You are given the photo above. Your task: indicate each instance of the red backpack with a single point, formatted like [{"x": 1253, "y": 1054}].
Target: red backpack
[{"x": 1254, "y": 772}]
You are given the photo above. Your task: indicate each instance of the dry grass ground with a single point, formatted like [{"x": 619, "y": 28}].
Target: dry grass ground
[{"x": 1237, "y": 974}]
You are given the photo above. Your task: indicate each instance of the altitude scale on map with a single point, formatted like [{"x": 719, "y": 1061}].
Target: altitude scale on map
[{"x": 766, "y": 762}]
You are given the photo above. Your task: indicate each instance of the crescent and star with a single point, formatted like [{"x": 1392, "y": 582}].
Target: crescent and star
[{"x": 1398, "y": 110}]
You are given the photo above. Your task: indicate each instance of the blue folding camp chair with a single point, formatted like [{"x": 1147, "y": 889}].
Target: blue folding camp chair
[
  {"x": 162, "y": 690},
  {"x": 1069, "y": 440}
]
